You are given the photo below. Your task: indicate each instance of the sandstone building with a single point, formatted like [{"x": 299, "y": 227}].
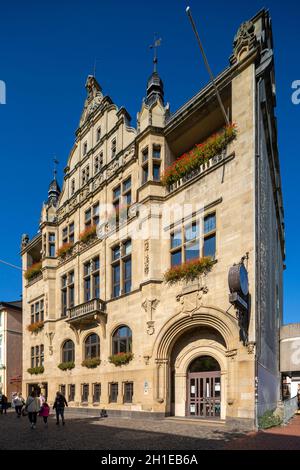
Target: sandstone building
[
  {"x": 10, "y": 348},
  {"x": 106, "y": 327}
]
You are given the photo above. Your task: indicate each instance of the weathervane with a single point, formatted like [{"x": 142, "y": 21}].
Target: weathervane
[{"x": 154, "y": 46}]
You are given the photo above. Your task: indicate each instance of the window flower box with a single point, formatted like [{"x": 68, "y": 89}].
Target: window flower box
[
  {"x": 120, "y": 358},
  {"x": 91, "y": 363},
  {"x": 66, "y": 365},
  {"x": 189, "y": 271},
  {"x": 65, "y": 249},
  {"x": 88, "y": 234},
  {"x": 34, "y": 271},
  {"x": 35, "y": 327},
  {"x": 191, "y": 161},
  {"x": 36, "y": 370}
]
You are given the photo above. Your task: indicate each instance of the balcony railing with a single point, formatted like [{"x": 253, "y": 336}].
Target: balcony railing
[
  {"x": 95, "y": 306},
  {"x": 203, "y": 170}
]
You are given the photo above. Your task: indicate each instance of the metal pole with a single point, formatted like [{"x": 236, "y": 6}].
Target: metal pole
[{"x": 188, "y": 11}]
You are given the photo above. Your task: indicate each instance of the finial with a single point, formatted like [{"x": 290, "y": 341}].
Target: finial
[
  {"x": 56, "y": 162},
  {"x": 154, "y": 46}
]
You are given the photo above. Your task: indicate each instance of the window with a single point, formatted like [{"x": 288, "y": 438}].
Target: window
[
  {"x": 96, "y": 214},
  {"x": 209, "y": 247},
  {"x": 113, "y": 148},
  {"x": 68, "y": 234},
  {"x": 84, "y": 151},
  {"x": 128, "y": 392},
  {"x": 51, "y": 245},
  {"x": 126, "y": 193},
  {"x": 68, "y": 351},
  {"x": 98, "y": 163},
  {"x": 92, "y": 347},
  {"x": 96, "y": 393},
  {"x": 71, "y": 233},
  {"x": 145, "y": 174},
  {"x": 37, "y": 356},
  {"x": 85, "y": 174},
  {"x": 71, "y": 395},
  {"x": 62, "y": 389},
  {"x": 113, "y": 392},
  {"x": 186, "y": 243},
  {"x": 67, "y": 292},
  {"x": 98, "y": 134},
  {"x": 121, "y": 269},
  {"x": 85, "y": 393},
  {"x": 91, "y": 272},
  {"x": 156, "y": 171},
  {"x": 145, "y": 155},
  {"x": 37, "y": 311},
  {"x": 72, "y": 187},
  {"x": 122, "y": 340},
  {"x": 156, "y": 152},
  {"x": 88, "y": 218}
]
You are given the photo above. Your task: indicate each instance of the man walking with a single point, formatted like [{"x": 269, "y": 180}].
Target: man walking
[{"x": 59, "y": 406}]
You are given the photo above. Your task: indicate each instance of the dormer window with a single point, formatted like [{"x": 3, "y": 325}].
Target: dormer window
[
  {"x": 98, "y": 134},
  {"x": 84, "y": 152},
  {"x": 113, "y": 148}
]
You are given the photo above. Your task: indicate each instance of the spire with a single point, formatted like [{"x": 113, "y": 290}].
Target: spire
[
  {"x": 54, "y": 189},
  {"x": 155, "y": 87}
]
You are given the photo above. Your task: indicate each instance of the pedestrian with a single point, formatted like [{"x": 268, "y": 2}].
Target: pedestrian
[
  {"x": 18, "y": 402},
  {"x": 44, "y": 412},
  {"x": 59, "y": 406},
  {"x": 42, "y": 399},
  {"x": 32, "y": 406},
  {"x": 4, "y": 404}
]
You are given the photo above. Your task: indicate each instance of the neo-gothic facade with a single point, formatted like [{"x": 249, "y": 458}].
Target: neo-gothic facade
[{"x": 96, "y": 294}]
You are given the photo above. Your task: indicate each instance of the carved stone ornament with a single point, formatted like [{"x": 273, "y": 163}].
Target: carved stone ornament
[
  {"x": 93, "y": 100},
  {"x": 251, "y": 347},
  {"x": 244, "y": 41},
  {"x": 50, "y": 336},
  {"x": 146, "y": 257},
  {"x": 191, "y": 302},
  {"x": 25, "y": 240}
]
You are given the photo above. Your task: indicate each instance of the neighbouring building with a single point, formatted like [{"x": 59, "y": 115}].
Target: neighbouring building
[
  {"x": 290, "y": 359},
  {"x": 154, "y": 285},
  {"x": 10, "y": 348}
]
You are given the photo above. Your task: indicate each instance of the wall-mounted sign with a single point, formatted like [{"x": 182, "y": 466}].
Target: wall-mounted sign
[{"x": 239, "y": 296}]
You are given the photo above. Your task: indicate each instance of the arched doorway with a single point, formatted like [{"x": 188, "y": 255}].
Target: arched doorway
[{"x": 204, "y": 388}]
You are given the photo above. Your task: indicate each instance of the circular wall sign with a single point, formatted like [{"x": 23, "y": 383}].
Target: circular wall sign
[{"x": 238, "y": 279}]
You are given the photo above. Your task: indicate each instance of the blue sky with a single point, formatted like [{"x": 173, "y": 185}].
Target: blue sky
[{"x": 48, "y": 48}]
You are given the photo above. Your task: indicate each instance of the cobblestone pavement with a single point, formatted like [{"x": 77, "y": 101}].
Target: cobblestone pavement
[
  {"x": 111, "y": 434},
  {"x": 136, "y": 434}
]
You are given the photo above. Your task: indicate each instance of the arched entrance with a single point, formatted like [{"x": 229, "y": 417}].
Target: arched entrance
[{"x": 204, "y": 388}]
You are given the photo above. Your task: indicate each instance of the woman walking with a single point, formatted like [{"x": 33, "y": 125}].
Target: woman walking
[{"x": 33, "y": 407}]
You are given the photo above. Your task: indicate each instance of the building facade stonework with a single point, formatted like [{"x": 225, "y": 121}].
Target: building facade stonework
[{"x": 106, "y": 327}]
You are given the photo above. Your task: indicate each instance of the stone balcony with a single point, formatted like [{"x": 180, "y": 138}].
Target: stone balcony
[
  {"x": 87, "y": 315},
  {"x": 210, "y": 165}
]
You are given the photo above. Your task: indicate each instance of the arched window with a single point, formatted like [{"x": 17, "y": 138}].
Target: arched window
[
  {"x": 122, "y": 340},
  {"x": 68, "y": 351},
  {"x": 92, "y": 346}
]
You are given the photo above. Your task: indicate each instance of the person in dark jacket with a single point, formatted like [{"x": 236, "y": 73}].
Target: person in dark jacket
[
  {"x": 59, "y": 406},
  {"x": 4, "y": 404}
]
